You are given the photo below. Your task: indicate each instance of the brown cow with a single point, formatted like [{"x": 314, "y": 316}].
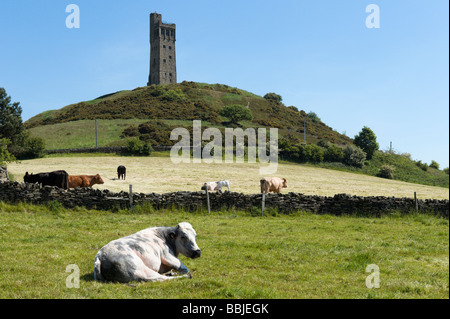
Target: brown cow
[
  {"x": 272, "y": 184},
  {"x": 84, "y": 180}
]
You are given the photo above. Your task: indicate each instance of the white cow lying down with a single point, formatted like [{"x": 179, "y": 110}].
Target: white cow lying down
[
  {"x": 147, "y": 255},
  {"x": 216, "y": 186}
]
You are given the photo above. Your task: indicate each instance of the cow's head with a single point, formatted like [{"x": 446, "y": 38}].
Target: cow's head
[
  {"x": 184, "y": 237},
  {"x": 98, "y": 180},
  {"x": 284, "y": 183},
  {"x": 29, "y": 178}
]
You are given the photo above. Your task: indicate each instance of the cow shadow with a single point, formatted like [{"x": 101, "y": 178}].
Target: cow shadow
[{"x": 88, "y": 277}]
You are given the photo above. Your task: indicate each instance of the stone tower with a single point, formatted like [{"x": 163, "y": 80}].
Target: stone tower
[{"x": 163, "y": 66}]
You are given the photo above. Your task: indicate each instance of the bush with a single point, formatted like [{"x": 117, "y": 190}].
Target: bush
[
  {"x": 155, "y": 132},
  {"x": 273, "y": 96},
  {"x": 236, "y": 113},
  {"x": 334, "y": 153},
  {"x": 422, "y": 166},
  {"x": 311, "y": 153},
  {"x": 287, "y": 149},
  {"x": 313, "y": 117},
  {"x": 173, "y": 95},
  {"x": 386, "y": 171},
  {"x": 130, "y": 131},
  {"x": 138, "y": 147},
  {"x": 324, "y": 143},
  {"x": 354, "y": 156},
  {"x": 157, "y": 90},
  {"x": 434, "y": 164}
]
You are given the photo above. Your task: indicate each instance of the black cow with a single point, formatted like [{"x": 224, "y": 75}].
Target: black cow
[
  {"x": 121, "y": 172},
  {"x": 56, "y": 178}
]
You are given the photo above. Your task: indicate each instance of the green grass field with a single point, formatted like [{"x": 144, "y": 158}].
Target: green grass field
[
  {"x": 81, "y": 134},
  {"x": 296, "y": 256}
]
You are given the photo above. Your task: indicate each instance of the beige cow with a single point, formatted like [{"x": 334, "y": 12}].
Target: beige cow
[{"x": 272, "y": 184}]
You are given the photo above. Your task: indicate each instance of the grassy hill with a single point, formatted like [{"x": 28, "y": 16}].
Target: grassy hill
[
  {"x": 189, "y": 101},
  {"x": 161, "y": 108}
]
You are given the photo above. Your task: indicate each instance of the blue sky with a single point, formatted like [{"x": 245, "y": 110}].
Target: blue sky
[{"x": 317, "y": 54}]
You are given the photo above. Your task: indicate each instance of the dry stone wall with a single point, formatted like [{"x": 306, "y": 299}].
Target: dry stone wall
[
  {"x": 15, "y": 192},
  {"x": 3, "y": 174},
  {"x": 103, "y": 149}
]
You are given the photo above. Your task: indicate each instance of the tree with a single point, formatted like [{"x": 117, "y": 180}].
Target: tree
[
  {"x": 19, "y": 144},
  {"x": 11, "y": 126},
  {"x": 434, "y": 164},
  {"x": 367, "y": 141},
  {"x": 273, "y": 96},
  {"x": 313, "y": 117},
  {"x": 34, "y": 147},
  {"x": 236, "y": 113},
  {"x": 5, "y": 155}
]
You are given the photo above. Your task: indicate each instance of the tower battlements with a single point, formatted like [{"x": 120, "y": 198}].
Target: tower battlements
[{"x": 163, "y": 67}]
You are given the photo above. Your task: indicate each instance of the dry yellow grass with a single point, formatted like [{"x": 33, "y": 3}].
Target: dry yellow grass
[{"x": 160, "y": 175}]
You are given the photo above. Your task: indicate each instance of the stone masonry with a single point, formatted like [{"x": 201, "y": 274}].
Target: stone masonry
[
  {"x": 15, "y": 192},
  {"x": 163, "y": 65}
]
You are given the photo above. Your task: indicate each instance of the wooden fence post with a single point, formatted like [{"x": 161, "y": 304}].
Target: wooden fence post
[
  {"x": 96, "y": 143},
  {"x": 130, "y": 194},
  {"x": 207, "y": 201},
  {"x": 416, "y": 203},
  {"x": 263, "y": 204}
]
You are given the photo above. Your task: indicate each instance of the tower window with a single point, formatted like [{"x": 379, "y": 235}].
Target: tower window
[{"x": 164, "y": 60}]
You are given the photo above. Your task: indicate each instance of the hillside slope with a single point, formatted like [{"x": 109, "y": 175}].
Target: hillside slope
[
  {"x": 151, "y": 113},
  {"x": 192, "y": 101}
]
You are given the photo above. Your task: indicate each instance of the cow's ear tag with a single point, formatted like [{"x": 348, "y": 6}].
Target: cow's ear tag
[{"x": 172, "y": 235}]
